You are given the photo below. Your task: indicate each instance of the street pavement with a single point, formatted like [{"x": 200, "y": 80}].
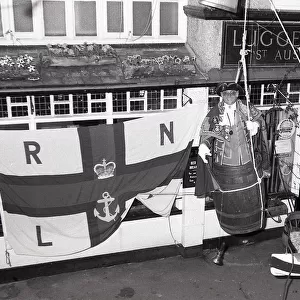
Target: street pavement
[{"x": 244, "y": 275}]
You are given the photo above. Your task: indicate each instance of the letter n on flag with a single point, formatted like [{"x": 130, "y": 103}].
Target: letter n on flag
[{"x": 65, "y": 190}]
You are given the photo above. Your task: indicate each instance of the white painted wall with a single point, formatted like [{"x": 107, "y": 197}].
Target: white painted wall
[{"x": 131, "y": 235}]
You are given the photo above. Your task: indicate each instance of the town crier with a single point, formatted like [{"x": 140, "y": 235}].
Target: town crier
[{"x": 232, "y": 178}]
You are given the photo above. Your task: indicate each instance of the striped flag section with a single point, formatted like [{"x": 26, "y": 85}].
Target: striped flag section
[
  {"x": 285, "y": 264},
  {"x": 66, "y": 190}
]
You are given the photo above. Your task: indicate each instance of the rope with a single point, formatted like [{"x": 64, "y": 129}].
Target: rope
[
  {"x": 240, "y": 189},
  {"x": 243, "y": 53}
]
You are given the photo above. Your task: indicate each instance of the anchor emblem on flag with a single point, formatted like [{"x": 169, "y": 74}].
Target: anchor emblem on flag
[{"x": 107, "y": 200}]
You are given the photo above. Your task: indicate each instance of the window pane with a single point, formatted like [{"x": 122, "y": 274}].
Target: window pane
[
  {"x": 98, "y": 107},
  {"x": 23, "y": 15},
  {"x": 172, "y": 92},
  {"x": 153, "y": 101},
  {"x": 142, "y": 18},
  {"x": 136, "y": 105},
  {"x": 169, "y": 18},
  {"x": 42, "y": 105},
  {"x": 119, "y": 101},
  {"x": 85, "y": 18},
  {"x": 255, "y": 94},
  {"x": 19, "y": 111},
  {"x": 61, "y": 97},
  {"x": 54, "y": 18},
  {"x": 80, "y": 103},
  {"x": 115, "y": 16},
  {"x": 170, "y": 103},
  {"x": 62, "y": 109},
  {"x": 295, "y": 87}
]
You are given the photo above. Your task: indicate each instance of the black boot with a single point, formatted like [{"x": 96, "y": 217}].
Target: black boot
[{"x": 218, "y": 260}]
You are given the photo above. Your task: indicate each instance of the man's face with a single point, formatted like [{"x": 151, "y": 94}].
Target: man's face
[{"x": 230, "y": 96}]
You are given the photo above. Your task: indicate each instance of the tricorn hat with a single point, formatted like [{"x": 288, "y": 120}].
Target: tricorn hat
[{"x": 227, "y": 87}]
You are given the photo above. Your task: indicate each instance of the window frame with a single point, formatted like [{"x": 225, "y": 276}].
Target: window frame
[
  {"x": 68, "y": 100},
  {"x": 37, "y": 36}
]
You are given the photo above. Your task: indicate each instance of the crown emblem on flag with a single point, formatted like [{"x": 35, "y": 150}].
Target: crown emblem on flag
[{"x": 105, "y": 170}]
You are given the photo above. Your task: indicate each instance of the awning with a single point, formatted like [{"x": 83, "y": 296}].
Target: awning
[{"x": 94, "y": 66}]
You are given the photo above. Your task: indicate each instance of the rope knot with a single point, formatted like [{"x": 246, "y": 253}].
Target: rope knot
[{"x": 244, "y": 52}]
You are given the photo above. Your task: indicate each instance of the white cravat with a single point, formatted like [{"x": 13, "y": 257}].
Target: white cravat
[{"x": 228, "y": 118}]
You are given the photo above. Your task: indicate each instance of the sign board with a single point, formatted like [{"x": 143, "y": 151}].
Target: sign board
[
  {"x": 267, "y": 44},
  {"x": 190, "y": 173}
]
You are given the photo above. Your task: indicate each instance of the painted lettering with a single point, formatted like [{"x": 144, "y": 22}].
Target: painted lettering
[
  {"x": 278, "y": 55},
  {"x": 258, "y": 55},
  {"x": 165, "y": 131},
  {"x": 32, "y": 152},
  {"x": 281, "y": 37},
  {"x": 261, "y": 54},
  {"x": 238, "y": 44},
  {"x": 287, "y": 54},
  {"x": 263, "y": 39},
  {"x": 254, "y": 43},
  {"x": 39, "y": 238},
  {"x": 296, "y": 38},
  {"x": 235, "y": 44}
]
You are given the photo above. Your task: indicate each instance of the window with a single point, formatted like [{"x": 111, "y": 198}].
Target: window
[
  {"x": 142, "y": 18},
  {"x": 137, "y": 100},
  {"x": 146, "y": 20},
  {"x": 169, "y": 18},
  {"x": 43, "y": 108},
  {"x": 22, "y": 12},
  {"x": 98, "y": 102},
  {"x": 61, "y": 104},
  {"x": 154, "y": 102},
  {"x": 85, "y": 18},
  {"x": 115, "y": 16},
  {"x": 101, "y": 21},
  {"x": 80, "y": 103},
  {"x": 42, "y": 105},
  {"x": 170, "y": 99},
  {"x": 19, "y": 105},
  {"x": 119, "y": 102},
  {"x": 54, "y": 18},
  {"x": 265, "y": 94}
]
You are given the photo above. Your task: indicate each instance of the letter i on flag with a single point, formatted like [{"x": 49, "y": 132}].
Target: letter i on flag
[{"x": 65, "y": 190}]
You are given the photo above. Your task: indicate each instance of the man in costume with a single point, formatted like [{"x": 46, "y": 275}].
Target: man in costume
[{"x": 232, "y": 178}]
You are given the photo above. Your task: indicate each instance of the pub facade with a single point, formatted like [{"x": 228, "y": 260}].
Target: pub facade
[{"x": 123, "y": 62}]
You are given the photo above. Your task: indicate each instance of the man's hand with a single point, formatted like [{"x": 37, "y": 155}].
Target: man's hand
[
  {"x": 203, "y": 151},
  {"x": 252, "y": 127}
]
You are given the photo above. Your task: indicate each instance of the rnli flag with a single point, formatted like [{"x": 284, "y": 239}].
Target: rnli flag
[{"x": 66, "y": 190}]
